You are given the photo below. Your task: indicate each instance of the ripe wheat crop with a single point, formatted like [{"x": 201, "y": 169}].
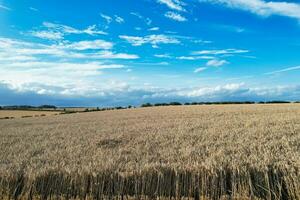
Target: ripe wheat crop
[
  {"x": 199, "y": 152},
  {"x": 6, "y": 114}
]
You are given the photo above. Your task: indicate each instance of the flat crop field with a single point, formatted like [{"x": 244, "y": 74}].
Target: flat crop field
[
  {"x": 176, "y": 152},
  {"x": 10, "y": 114}
]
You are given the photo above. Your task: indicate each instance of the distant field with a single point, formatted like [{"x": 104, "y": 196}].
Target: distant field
[
  {"x": 199, "y": 152},
  {"x": 24, "y": 114}
]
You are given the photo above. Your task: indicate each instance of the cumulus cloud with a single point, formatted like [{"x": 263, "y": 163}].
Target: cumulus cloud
[
  {"x": 115, "y": 93},
  {"x": 175, "y": 16},
  {"x": 262, "y": 8},
  {"x": 70, "y": 66},
  {"x": 154, "y": 40}
]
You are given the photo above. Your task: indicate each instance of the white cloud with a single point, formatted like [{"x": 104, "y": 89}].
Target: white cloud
[
  {"x": 4, "y": 7},
  {"x": 66, "y": 30},
  {"x": 195, "y": 57},
  {"x": 163, "y": 56},
  {"x": 107, "y": 18},
  {"x": 50, "y": 35},
  {"x": 173, "y": 4},
  {"x": 111, "y": 55},
  {"x": 220, "y": 52},
  {"x": 202, "y": 41},
  {"x": 154, "y": 29},
  {"x": 19, "y": 50},
  {"x": 110, "y": 19},
  {"x": 11, "y": 50},
  {"x": 85, "y": 45},
  {"x": 119, "y": 19},
  {"x": 147, "y": 20},
  {"x": 137, "y": 15},
  {"x": 284, "y": 70},
  {"x": 263, "y": 8},
  {"x": 33, "y": 9},
  {"x": 175, "y": 16},
  {"x": 154, "y": 40},
  {"x": 59, "y": 74},
  {"x": 216, "y": 63},
  {"x": 116, "y": 93},
  {"x": 229, "y": 28},
  {"x": 200, "y": 69},
  {"x": 92, "y": 30}
]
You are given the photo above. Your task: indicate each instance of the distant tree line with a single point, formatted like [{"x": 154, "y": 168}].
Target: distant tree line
[
  {"x": 27, "y": 107},
  {"x": 108, "y": 108},
  {"x": 214, "y": 103}
]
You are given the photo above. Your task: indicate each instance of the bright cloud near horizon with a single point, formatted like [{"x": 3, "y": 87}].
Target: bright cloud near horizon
[{"x": 117, "y": 53}]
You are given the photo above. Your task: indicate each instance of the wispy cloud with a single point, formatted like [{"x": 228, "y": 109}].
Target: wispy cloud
[
  {"x": 230, "y": 28},
  {"x": 18, "y": 50},
  {"x": 216, "y": 63},
  {"x": 85, "y": 45},
  {"x": 262, "y": 8},
  {"x": 33, "y": 9},
  {"x": 284, "y": 70},
  {"x": 153, "y": 29},
  {"x": 91, "y": 30},
  {"x": 112, "y": 55},
  {"x": 195, "y": 57},
  {"x": 58, "y": 31},
  {"x": 173, "y": 4},
  {"x": 200, "y": 69},
  {"x": 146, "y": 20},
  {"x": 137, "y": 15},
  {"x": 4, "y": 7},
  {"x": 154, "y": 40},
  {"x": 162, "y": 56},
  {"x": 110, "y": 19},
  {"x": 107, "y": 18},
  {"x": 202, "y": 41},
  {"x": 50, "y": 35},
  {"x": 119, "y": 19},
  {"x": 220, "y": 52},
  {"x": 175, "y": 16}
]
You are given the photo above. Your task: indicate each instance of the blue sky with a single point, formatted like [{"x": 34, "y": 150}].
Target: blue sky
[{"x": 116, "y": 52}]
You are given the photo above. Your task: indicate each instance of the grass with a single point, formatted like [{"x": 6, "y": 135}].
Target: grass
[{"x": 199, "y": 152}]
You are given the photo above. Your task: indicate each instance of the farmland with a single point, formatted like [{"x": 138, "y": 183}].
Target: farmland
[
  {"x": 200, "y": 152},
  {"x": 11, "y": 114}
]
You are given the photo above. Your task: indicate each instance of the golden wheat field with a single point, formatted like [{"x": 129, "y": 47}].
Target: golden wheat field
[
  {"x": 5, "y": 114},
  {"x": 184, "y": 152}
]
